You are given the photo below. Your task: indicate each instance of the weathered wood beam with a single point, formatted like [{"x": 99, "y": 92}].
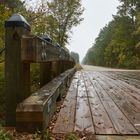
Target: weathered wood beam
[
  {"x": 21, "y": 49},
  {"x": 36, "y": 49},
  {"x": 45, "y": 73},
  {"x": 17, "y": 73},
  {"x": 36, "y": 111}
]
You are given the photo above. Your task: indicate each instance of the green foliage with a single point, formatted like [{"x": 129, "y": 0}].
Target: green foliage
[
  {"x": 95, "y": 55},
  {"x": 4, "y": 14},
  {"x": 35, "y": 77},
  {"x": 61, "y": 16},
  {"x": 42, "y": 135},
  {"x": 72, "y": 136},
  {"x": 4, "y": 135},
  {"x": 55, "y": 18},
  {"x": 118, "y": 43},
  {"x": 75, "y": 56}
]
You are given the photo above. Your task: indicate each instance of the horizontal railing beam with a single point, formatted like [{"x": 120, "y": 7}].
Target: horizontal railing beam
[
  {"x": 37, "y": 50},
  {"x": 37, "y": 110}
]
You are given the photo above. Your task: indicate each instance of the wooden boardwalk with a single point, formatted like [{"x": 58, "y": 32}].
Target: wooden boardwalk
[{"x": 105, "y": 102}]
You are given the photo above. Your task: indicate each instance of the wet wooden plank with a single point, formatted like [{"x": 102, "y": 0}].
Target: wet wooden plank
[
  {"x": 83, "y": 119},
  {"x": 119, "y": 120},
  {"x": 124, "y": 76},
  {"x": 131, "y": 75},
  {"x": 135, "y": 91},
  {"x": 102, "y": 122},
  {"x": 132, "y": 95},
  {"x": 126, "y": 100},
  {"x": 107, "y": 137},
  {"x": 65, "y": 121},
  {"x": 129, "y": 90}
]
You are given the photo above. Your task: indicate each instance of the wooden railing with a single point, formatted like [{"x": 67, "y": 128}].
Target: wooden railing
[{"x": 21, "y": 49}]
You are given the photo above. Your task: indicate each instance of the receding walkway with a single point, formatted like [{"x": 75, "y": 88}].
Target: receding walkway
[{"x": 102, "y": 103}]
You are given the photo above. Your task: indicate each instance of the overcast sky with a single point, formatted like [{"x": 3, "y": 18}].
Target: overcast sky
[{"x": 96, "y": 15}]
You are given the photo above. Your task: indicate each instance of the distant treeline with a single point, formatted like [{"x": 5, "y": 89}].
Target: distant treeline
[
  {"x": 118, "y": 43},
  {"x": 75, "y": 57}
]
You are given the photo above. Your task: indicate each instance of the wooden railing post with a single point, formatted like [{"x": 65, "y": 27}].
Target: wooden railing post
[
  {"x": 45, "y": 73},
  {"x": 17, "y": 74},
  {"x": 50, "y": 70},
  {"x": 65, "y": 67},
  {"x": 56, "y": 68},
  {"x": 62, "y": 66}
]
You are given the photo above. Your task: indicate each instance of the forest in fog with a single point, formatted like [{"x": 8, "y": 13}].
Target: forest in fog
[{"x": 118, "y": 43}]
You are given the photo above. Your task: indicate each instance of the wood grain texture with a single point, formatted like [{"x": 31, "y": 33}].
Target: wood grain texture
[
  {"x": 65, "y": 121},
  {"x": 36, "y": 49},
  {"x": 102, "y": 122},
  {"x": 126, "y": 99},
  {"x": 106, "y": 104},
  {"x": 83, "y": 120},
  {"x": 41, "y": 105}
]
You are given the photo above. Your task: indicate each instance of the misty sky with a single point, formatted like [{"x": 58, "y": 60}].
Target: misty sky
[{"x": 96, "y": 15}]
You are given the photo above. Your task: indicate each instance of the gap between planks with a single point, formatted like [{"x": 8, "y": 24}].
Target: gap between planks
[
  {"x": 65, "y": 120},
  {"x": 126, "y": 99},
  {"x": 91, "y": 106},
  {"x": 121, "y": 122}
]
